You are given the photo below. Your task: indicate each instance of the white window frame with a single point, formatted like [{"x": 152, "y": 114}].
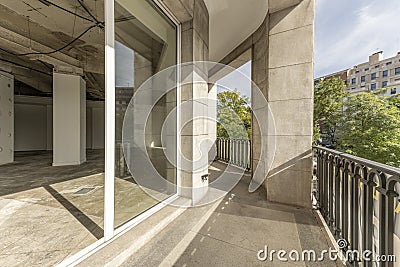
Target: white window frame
[{"x": 110, "y": 233}]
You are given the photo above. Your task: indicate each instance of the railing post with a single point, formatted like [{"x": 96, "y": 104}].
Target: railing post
[
  {"x": 382, "y": 198},
  {"x": 331, "y": 191},
  {"x": 320, "y": 179},
  {"x": 368, "y": 213},
  {"x": 355, "y": 211},
  {"x": 345, "y": 202},
  {"x": 338, "y": 196},
  {"x": 389, "y": 223},
  {"x": 326, "y": 192}
]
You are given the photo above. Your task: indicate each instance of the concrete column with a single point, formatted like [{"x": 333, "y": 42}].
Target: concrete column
[
  {"x": 69, "y": 119},
  {"x": 283, "y": 69},
  {"x": 6, "y": 118},
  {"x": 195, "y": 48},
  {"x": 211, "y": 124},
  {"x": 49, "y": 127}
]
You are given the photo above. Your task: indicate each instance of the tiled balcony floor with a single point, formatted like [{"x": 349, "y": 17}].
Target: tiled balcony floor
[{"x": 231, "y": 231}]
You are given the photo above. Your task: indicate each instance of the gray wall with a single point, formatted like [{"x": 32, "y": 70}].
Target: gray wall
[
  {"x": 284, "y": 73},
  {"x": 282, "y": 68},
  {"x": 6, "y": 118},
  {"x": 34, "y": 124},
  {"x": 30, "y": 127}
]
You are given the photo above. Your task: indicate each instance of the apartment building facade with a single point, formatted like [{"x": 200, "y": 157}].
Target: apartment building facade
[{"x": 375, "y": 74}]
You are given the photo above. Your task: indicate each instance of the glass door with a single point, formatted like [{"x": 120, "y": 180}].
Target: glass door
[{"x": 145, "y": 44}]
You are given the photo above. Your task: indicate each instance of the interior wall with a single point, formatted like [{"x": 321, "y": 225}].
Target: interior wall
[
  {"x": 30, "y": 127},
  {"x": 97, "y": 126},
  {"x": 6, "y": 118},
  {"x": 34, "y": 124},
  {"x": 89, "y": 129},
  {"x": 49, "y": 127}
]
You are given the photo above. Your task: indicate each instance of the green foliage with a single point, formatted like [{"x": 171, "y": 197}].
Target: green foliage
[
  {"x": 233, "y": 115},
  {"x": 395, "y": 101},
  {"x": 371, "y": 128},
  {"x": 366, "y": 124},
  {"x": 328, "y": 108}
]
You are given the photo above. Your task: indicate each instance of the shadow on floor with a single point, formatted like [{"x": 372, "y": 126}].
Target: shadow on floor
[
  {"x": 232, "y": 231},
  {"x": 34, "y": 169}
]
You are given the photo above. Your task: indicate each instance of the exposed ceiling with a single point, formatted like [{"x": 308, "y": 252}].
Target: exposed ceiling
[{"x": 39, "y": 35}]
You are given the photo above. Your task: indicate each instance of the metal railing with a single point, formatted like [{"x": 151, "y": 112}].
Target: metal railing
[
  {"x": 234, "y": 151},
  {"x": 359, "y": 200}
]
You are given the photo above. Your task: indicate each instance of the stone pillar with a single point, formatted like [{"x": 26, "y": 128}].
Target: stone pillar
[
  {"x": 195, "y": 48},
  {"x": 212, "y": 124},
  {"x": 283, "y": 69},
  {"x": 6, "y": 118},
  {"x": 69, "y": 119},
  {"x": 49, "y": 127}
]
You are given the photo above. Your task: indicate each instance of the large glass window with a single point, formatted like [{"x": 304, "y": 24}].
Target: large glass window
[{"x": 145, "y": 44}]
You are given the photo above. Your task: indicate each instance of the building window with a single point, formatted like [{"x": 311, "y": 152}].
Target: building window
[
  {"x": 373, "y": 76},
  {"x": 384, "y": 84},
  {"x": 353, "y": 88},
  {"x": 377, "y": 66},
  {"x": 362, "y": 79},
  {"x": 366, "y": 69},
  {"x": 389, "y": 63},
  {"x": 357, "y": 71},
  {"x": 385, "y": 73},
  {"x": 397, "y": 71},
  {"x": 353, "y": 81},
  {"x": 393, "y": 91},
  {"x": 373, "y": 86}
]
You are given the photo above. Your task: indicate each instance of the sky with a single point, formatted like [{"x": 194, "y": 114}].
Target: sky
[
  {"x": 235, "y": 80},
  {"x": 348, "y": 31},
  {"x": 124, "y": 65}
]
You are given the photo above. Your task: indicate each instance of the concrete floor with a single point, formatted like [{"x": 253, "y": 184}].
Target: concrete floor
[
  {"x": 44, "y": 219},
  {"x": 231, "y": 231}
]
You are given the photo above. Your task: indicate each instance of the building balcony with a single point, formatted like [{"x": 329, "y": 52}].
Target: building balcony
[
  {"x": 229, "y": 232},
  {"x": 359, "y": 200},
  {"x": 75, "y": 79}
]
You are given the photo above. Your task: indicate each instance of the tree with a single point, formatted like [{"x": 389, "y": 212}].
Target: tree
[
  {"x": 233, "y": 115},
  {"x": 395, "y": 101},
  {"x": 371, "y": 128},
  {"x": 328, "y": 108}
]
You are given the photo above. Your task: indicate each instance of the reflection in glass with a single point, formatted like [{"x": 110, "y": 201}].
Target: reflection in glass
[{"x": 145, "y": 43}]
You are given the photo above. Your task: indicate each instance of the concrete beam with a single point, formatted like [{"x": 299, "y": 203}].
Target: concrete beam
[
  {"x": 34, "y": 79},
  {"x": 26, "y": 45}
]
